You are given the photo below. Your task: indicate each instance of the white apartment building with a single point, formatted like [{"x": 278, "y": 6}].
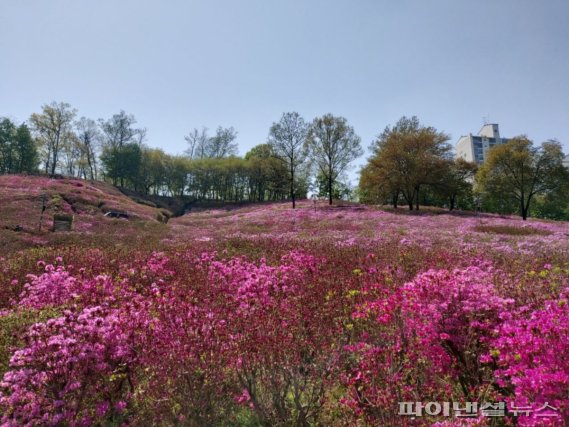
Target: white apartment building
[{"x": 474, "y": 148}]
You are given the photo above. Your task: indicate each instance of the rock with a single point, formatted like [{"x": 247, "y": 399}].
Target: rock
[
  {"x": 62, "y": 222},
  {"x": 116, "y": 214}
]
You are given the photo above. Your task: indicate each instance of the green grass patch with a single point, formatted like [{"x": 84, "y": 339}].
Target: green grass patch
[
  {"x": 12, "y": 328},
  {"x": 511, "y": 230}
]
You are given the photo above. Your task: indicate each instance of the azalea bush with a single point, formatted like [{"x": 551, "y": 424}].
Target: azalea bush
[
  {"x": 257, "y": 319},
  {"x": 531, "y": 359},
  {"x": 423, "y": 341},
  {"x": 76, "y": 369}
]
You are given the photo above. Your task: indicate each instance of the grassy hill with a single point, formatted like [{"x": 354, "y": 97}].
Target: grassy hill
[{"x": 23, "y": 197}]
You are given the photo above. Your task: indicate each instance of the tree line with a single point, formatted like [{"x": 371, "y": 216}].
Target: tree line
[
  {"x": 56, "y": 142},
  {"x": 413, "y": 164}
]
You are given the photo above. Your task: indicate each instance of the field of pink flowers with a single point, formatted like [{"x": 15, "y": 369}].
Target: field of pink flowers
[{"x": 265, "y": 315}]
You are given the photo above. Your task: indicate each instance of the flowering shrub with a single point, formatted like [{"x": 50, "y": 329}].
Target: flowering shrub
[
  {"x": 327, "y": 316},
  {"x": 75, "y": 368},
  {"x": 249, "y": 319},
  {"x": 53, "y": 288},
  {"x": 425, "y": 336},
  {"x": 389, "y": 362},
  {"x": 531, "y": 356},
  {"x": 463, "y": 309}
]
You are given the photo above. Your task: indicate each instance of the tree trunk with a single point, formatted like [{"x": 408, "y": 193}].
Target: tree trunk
[
  {"x": 417, "y": 198},
  {"x": 452, "y": 200},
  {"x": 54, "y": 162},
  {"x": 89, "y": 163},
  {"x": 330, "y": 189},
  {"x": 292, "y": 185},
  {"x": 523, "y": 206}
]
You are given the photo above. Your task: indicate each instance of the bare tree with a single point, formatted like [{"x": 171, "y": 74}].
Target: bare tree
[
  {"x": 89, "y": 138},
  {"x": 288, "y": 140},
  {"x": 222, "y": 144},
  {"x": 71, "y": 154},
  {"x": 219, "y": 146},
  {"x": 119, "y": 130},
  {"x": 53, "y": 129},
  {"x": 198, "y": 142},
  {"x": 140, "y": 137},
  {"x": 333, "y": 146}
]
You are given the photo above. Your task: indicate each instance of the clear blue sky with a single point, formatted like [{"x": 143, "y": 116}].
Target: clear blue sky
[{"x": 176, "y": 65}]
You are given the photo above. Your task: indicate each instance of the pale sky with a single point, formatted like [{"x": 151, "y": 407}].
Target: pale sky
[{"x": 177, "y": 65}]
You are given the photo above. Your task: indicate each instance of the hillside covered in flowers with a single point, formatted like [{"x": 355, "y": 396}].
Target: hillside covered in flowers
[{"x": 265, "y": 315}]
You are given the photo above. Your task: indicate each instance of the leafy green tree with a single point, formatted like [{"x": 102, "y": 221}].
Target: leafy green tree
[
  {"x": 520, "y": 171},
  {"x": 340, "y": 189},
  {"x": 26, "y": 150},
  {"x": 7, "y": 145},
  {"x": 456, "y": 182},
  {"x": 123, "y": 163},
  {"x": 53, "y": 128},
  {"x": 200, "y": 178},
  {"x": 118, "y": 134},
  {"x": 153, "y": 170},
  {"x": 176, "y": 176},
  {"x": 552, "y": 205},
  {"x": 260, "y": 172},
  {"x": 407, "y": 157},
  {"x": 18, "y": 152},
  {"x": 377, "y": 185},
  {"x": 333, "y": 145},
  {"x": 268, "y": 174}
]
